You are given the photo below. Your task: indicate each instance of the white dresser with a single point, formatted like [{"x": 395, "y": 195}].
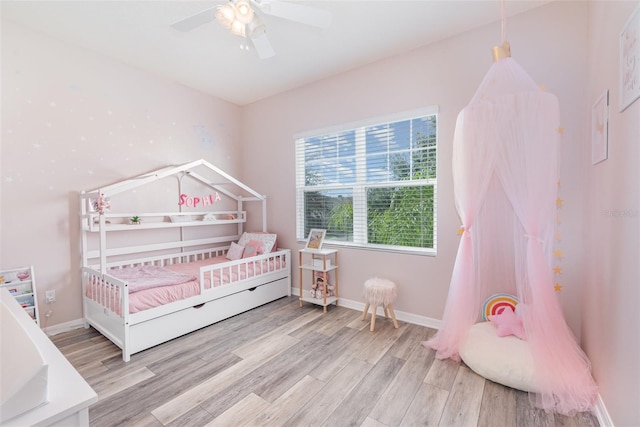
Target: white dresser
[{"x": 38, "y": 386}]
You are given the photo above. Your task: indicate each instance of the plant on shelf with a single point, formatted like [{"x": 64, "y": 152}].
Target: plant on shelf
[{"x": 135, "y": 219}]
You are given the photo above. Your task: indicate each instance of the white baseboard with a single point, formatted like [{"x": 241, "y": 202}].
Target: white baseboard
[
  {"x": 400, "y": 315},
  {"x": 601, "y": 413},
  {"x": 64, "y": 327},
  {"x": 354, "y": 305}
]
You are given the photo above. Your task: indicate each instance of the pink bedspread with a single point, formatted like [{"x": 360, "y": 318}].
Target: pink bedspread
[
  {"x": 156, "y": 296},
  {"x": 149, "y": 276}
]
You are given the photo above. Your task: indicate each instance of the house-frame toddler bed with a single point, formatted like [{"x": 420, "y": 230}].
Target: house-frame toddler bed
[{"x": 200, "y": 282}]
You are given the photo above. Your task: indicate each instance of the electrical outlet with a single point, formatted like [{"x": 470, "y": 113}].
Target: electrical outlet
[{"x": 50, "y": 296}]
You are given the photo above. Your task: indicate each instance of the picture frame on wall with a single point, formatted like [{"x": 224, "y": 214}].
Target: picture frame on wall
[
  {"x": 630, "y": 61},
  {"x": 600, "y": 129},
  {"x": 315, "y": 239}
]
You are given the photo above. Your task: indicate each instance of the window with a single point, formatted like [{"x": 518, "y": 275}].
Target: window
[{"x": 372, "y": 185}]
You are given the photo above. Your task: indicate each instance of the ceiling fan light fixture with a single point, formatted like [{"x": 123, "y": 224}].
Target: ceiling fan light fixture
[
  {"x": 241, "y": 19},
  {"x": 244, "y": 12},
  {"x": 238, "y": 28},
  {"x": 226, "y": 15}
]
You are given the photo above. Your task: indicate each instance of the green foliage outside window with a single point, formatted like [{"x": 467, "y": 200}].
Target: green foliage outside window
[{"x": 400, "y": 210}]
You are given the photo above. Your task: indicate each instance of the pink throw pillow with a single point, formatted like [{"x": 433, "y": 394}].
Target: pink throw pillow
[
  {"x": 508, "y": 323},
  {"x": 268, "y": 240},
  {"x": 252, "y": 248},
  {"x": 235, "y": 251}
]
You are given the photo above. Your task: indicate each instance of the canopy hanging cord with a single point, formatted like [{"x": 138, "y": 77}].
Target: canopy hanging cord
[
  {"x": 503, "y": 23},
  {"x": 504, "y": 50}
]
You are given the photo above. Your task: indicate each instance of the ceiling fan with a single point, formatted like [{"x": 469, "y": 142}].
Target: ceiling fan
[{"x": 240, "y": 17}]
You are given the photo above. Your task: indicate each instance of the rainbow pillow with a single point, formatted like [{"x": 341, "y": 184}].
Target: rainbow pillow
[{"x": 496, "y": 304}]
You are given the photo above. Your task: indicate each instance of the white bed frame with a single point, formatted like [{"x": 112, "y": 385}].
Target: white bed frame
[{"x": 139, "y": 331}]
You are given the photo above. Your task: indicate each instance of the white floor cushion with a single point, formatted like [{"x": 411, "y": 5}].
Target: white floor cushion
[{"x": 504, "y": 360}]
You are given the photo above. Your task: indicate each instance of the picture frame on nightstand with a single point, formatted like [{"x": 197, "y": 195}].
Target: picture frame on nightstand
[{"x": 315, "y": 239}]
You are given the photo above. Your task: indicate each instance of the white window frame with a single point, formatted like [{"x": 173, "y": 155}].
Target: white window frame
[{"x": 360, "y": 229}]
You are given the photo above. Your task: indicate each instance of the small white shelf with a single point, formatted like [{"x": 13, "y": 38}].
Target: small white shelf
[
  {"x": 306, "y": 297},
  {"x": 319, "y": 251},
  {"x": 22, "y": 289},
  {"x": 154, "y": 225},
  {"x": 316, "y": 268},
  {"x": 21, "y": 295},
  {"x": 120, "y": 222},
  {"x": 323, "y": 261}
]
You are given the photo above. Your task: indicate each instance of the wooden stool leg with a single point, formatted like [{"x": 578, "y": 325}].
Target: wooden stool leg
[
  {"x": 373, "y": 318},
  {"x": 393, "y": 316},
  {"x": 364, "y": 313},
  {"x": 386, "y": 315}
]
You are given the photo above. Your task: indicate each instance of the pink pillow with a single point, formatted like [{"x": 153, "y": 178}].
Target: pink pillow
[
  {"x": 268, "y": 240},
  {"x": 252, "y": 248},
  {"x": 508, "y": 323},
  {"x": 235, "y": 251}
]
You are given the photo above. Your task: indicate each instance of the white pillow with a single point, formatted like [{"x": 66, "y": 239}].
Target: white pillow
[
  {"x": 267, "y": 240},
  {"x": 504, "y": 360},
  {"x": 235, "y": 251}
]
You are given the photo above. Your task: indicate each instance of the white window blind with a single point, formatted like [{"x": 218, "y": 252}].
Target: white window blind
[{"x": 371, "y": 184}]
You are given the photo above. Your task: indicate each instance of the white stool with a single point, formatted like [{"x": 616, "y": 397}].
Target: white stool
[{"x": 379, "y": 292}]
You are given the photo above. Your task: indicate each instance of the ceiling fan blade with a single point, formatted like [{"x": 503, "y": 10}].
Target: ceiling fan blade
[
  {"x": 262, "y": 44},
  {"x": 296, "y": 12},
  {"x": 196, "y": 20}
]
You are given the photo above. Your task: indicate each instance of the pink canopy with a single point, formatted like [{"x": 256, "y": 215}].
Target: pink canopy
[{"x": 505, "y": 158}]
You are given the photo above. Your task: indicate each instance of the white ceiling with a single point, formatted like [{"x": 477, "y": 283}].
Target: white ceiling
[{"x": 209, "y": 58}]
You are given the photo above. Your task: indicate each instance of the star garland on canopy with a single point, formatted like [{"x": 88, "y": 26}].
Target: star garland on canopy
[{"x": 558, "y": 254}]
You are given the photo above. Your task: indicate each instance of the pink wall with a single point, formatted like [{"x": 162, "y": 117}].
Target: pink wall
[
  {"x": 72, "y": 121},
  {"x": 444, "y": 74},
  {"x": 611, "y": 319}
]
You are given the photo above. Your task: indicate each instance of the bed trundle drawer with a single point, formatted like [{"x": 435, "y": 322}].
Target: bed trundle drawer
[{"x": 156, "y": 331}]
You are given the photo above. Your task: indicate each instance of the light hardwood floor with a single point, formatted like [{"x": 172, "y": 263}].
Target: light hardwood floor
[{"x": 282, "y": 365}]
